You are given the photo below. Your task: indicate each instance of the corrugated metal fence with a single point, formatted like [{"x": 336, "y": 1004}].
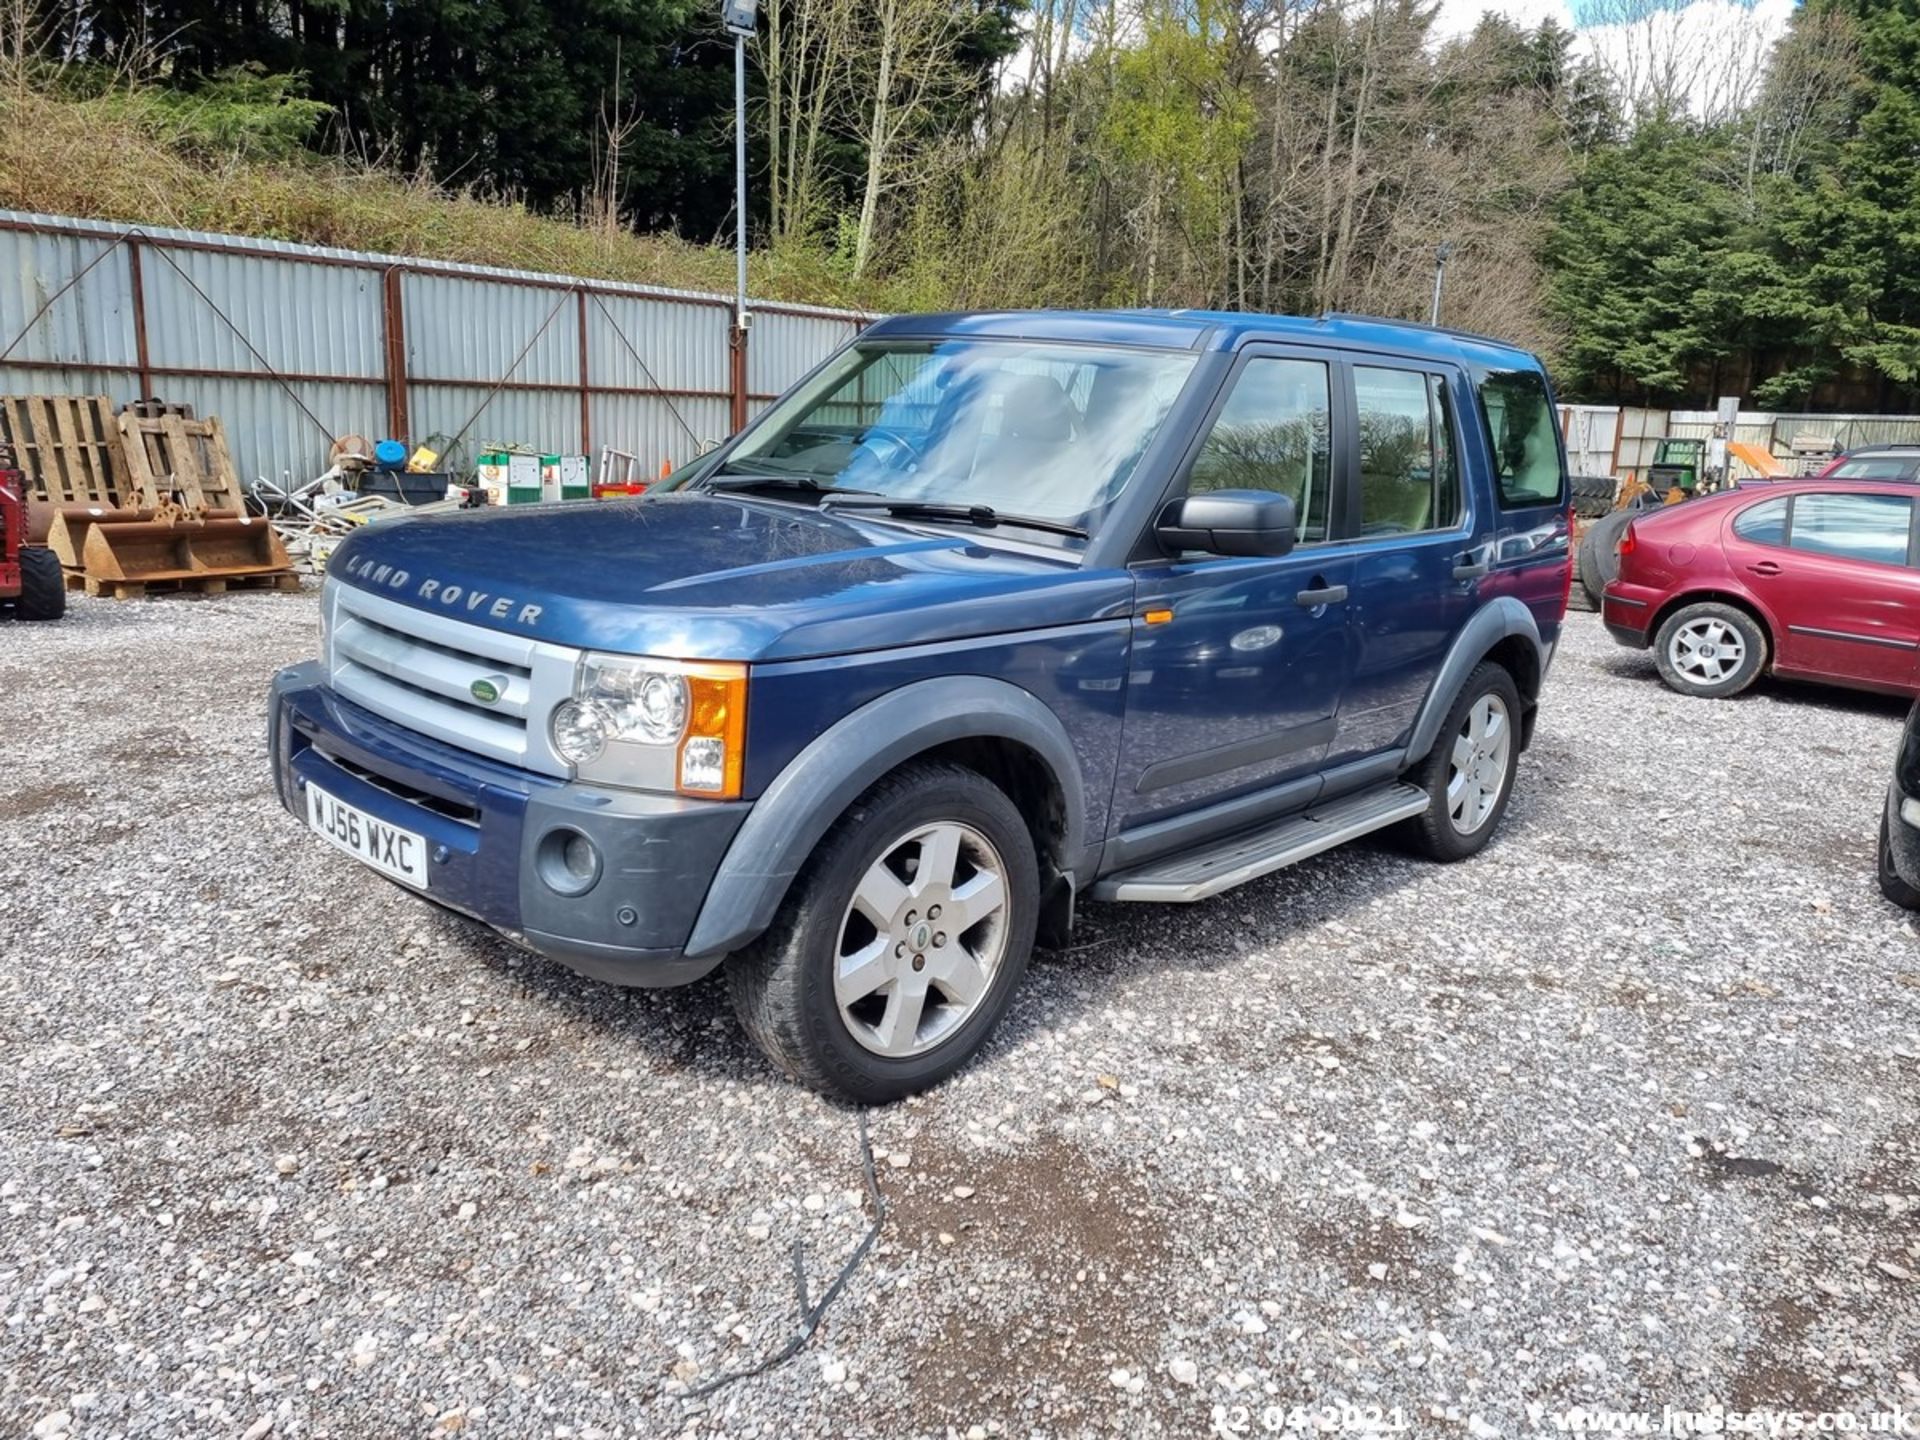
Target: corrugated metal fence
[
  {"x": 1622, "y": 440},
  {"x": 294, "y": 345}
]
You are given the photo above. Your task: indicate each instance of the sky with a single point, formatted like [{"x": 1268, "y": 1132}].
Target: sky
[
  {"x": 1719, "y": 38},
  {"x": 1765, "y": 20}
]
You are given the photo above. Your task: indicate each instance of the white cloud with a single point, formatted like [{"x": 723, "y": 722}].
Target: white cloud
[
  {"x": 1712, "y": 52},
  {"x": 1458, "y": 17}
]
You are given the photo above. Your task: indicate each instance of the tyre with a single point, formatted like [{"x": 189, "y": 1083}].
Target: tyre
[
  {"x": 1592, "y": 495},
  {"x": 43, "y": 589},
  {"x": 1710, "y": 649},
  {"x": 1468, "y": 775},
  {"x": 1891, "y": 885},
  {"x": 903, "y": 938},
  {"x": 1600, "y": 553}
]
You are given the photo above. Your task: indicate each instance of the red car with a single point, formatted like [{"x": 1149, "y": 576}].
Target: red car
[{"x": 1809, "y": 579}]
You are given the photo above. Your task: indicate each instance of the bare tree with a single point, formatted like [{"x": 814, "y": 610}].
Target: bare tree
[
  {"x": 906, "y": 67},
  {"x": 619, "y": 122},
  {"x": 1807, "y": 94},
  {"x": 1706, "y": 60},
  {"x": 805, "y": 54}
]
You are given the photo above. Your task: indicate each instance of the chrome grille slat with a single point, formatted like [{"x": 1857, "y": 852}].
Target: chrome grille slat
[
  {"x": 433, "y": 668},
  {"x": 416, "y": 667}
]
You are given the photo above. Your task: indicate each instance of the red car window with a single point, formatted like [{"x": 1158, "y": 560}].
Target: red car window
[
  {"x": 1763, "y": 524},
  {"x": 1854, "y": 527}
]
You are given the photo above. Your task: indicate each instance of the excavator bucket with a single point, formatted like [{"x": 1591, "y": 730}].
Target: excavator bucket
[
  {"x": 229, "y": 542},
  {"x": 216, "y": 545},
  {"x": 67, "y": 535},
  {"x": 39, "y": 520}
]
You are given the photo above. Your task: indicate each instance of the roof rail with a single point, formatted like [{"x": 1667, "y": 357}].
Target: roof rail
[{"x": 1422, "y": 325}]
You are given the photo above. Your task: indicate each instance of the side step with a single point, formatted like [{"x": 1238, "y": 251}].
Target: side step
[{"x": 1197, "y": 874}]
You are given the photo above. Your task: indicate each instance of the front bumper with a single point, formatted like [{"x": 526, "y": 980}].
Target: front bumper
[
  {"x": 484, "y": 823},
  {"x": 1903, "y": 836},
  {"x": 1627, "y": 612}
]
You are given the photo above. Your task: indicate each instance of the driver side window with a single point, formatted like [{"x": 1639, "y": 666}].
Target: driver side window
[{"x": 1274, "y": 434}]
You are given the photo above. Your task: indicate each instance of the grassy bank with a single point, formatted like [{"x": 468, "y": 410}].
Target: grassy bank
[{"x": 145, "y": 156}]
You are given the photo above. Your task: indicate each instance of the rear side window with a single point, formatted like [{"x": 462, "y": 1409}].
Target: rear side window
[
  {"x": 1763, "y": 524},
  {"x": 1854, "y": 527},
  {"x": 1407, "y": 478},
  {"x": 1525, "y": 436},
  {"x": 1273, "y": 434}
]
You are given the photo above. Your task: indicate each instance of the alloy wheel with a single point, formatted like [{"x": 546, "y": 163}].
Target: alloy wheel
[
  {"x": 921, "y": 940},
  {"x": 1478, "y": 773},
  {"x": 1706, "y": 651}
]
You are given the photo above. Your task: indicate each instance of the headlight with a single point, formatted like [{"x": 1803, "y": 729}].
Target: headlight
[{"x": 661, "y": 725}]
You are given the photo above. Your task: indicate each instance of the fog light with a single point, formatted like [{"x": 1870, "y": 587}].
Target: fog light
[
  {"x": 1910, "y": 811},
  {"x": 567, "y": 861}
]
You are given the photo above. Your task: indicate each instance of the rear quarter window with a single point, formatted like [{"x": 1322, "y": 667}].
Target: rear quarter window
[
  {"x": 1763, "y": 524},
  {"x": 1525, "y": 436}
]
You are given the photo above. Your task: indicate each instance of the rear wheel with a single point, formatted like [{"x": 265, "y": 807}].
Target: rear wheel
[
  {"x": 43, "y": 589},
  {"x": 1710, "y": 649},
  {"x": 901, "y": 943},
  {"x": 1468, "y": 775}
]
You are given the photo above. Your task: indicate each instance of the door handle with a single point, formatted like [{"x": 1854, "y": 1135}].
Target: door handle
[
  {"x": 1472, "y": 564},
  {"x": 1765, "y": 567},
  {"x": 1314, "y": 599}
]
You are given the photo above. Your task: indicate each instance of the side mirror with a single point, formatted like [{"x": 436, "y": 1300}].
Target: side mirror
[{"x": 1229, "y": 522}]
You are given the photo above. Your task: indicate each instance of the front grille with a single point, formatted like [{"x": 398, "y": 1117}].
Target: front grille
[
  {"x": 419, "y": 669},
  {"x": 451, "y": 809}
]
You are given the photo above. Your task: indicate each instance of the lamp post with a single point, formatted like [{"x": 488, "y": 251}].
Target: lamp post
[
  {"x": 1439, "y": 272},
  {"x": 739, "y": 17}
]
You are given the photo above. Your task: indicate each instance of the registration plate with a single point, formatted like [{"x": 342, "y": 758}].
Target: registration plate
[{"x": 399, "y": 854}]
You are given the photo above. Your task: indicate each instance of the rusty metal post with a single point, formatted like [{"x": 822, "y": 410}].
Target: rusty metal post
[
  {"x": 137, "y": 287},
  {"x": 394, "y": 321},
  {"x": 586, "y": 392},
  {"x": 737, "y": 381}
]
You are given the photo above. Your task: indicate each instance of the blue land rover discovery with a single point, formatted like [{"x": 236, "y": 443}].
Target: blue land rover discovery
[{"x": 990, "y": 613}]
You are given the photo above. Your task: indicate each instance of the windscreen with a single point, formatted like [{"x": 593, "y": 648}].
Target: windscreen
[
  {"x": 1876, "y": 467},
  {"x": 1052, "y": 431}
]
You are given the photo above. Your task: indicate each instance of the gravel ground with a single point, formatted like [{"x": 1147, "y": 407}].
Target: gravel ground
[{"x": 1620, "y": 1114}]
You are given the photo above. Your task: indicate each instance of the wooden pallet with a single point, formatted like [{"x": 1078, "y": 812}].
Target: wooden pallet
[
  {"x": 79, "y": 580},
  {"x": 157, "y": 409},
  {"x": 170, "y": 458},
  {"x": 68, "y": 446}
]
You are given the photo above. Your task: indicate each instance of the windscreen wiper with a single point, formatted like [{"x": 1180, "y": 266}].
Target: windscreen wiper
[
  {"x": 727, "y": 478},
  {"x": 984, "y": 516}
]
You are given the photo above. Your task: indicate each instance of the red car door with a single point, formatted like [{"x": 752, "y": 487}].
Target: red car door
[{"x": 1839, "y": 576}]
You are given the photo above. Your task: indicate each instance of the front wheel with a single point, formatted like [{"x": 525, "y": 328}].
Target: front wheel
[
  {"x": 1468, "y": 775},
  {"x": 43, "y": 589},
  {"x": 902, "y": 940}
]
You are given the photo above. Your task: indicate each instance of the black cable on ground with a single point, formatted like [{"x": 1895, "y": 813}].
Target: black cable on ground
[{"x": 812, "y": 1314}]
